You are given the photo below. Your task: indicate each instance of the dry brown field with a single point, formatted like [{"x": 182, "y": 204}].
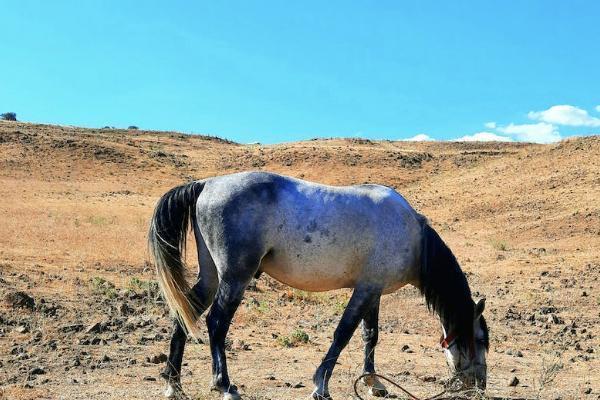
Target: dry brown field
[{"x": 522, "y": 219}]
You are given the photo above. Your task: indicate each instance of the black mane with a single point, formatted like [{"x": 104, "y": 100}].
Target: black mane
[{"x": 445, "y": 287}]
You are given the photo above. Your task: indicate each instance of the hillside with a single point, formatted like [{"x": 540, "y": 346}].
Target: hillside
[{"x": 523, "y": 220}]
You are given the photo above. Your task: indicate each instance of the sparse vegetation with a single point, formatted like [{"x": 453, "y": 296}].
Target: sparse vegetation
[
  {"x": 100, "y": 220},
  {"x": 339, "y": 306},
  {"x": 8, "y": 116},
  {"x": 298, "y": 336},
  {"x": 336, "y": 302},
  {"x": 262, "y": 306},
  {"x": 103, "y": 287},
  {"x": 148, "y": 288},
  {"x": 301, "y": 296},
  {"x": 500, "y": 245},
  {"x": 548, "y": 374}
]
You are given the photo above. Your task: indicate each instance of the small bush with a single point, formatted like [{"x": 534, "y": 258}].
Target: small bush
[
  {"x": 500, "y": 245},
  {"x": 300, "y": 296},
  {"x": 339, "y": 306},
  {"x": 141, "y": 287},
  {"x": 99, "y": 220},
  {"x": 298, "y": 336},
  {"x": 548, "y": 373},
  {"x": 285, "y": 341},
  {"x": 103, "y": 287},
  {"x": 260, "y": 306},
  {"x": 9, "y": 116}
]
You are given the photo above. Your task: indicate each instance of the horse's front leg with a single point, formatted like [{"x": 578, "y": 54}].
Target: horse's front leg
[
  {"x": 362, "y": 300},
  {"x": 370, "y": 334}
]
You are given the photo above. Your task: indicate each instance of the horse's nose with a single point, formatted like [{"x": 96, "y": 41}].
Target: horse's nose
[
  {"x": 468, "y": 381},
  {"x": 480, "y": 383},
  {"x": 481, "y": 377},
  {"x": 475, "y": 378}
]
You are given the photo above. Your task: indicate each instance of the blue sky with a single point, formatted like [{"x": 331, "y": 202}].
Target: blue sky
[{"x": 275, "y": 71}]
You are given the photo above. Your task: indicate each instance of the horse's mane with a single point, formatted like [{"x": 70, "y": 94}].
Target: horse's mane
[{"x": 445, "y": 287}]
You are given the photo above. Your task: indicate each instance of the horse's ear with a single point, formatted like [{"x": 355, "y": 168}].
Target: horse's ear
[{"x": 479, "y": 307}]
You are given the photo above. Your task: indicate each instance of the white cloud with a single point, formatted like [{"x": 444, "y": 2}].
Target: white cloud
[
  {"x": 483, "y": 137},
  {"x": 490, "y": 125},
  {"x": 421, "y": 137},
  {"x": 538, "y": 133},
  {"x": 598, "y": 108},
  {"x": 565, "y": 115}
]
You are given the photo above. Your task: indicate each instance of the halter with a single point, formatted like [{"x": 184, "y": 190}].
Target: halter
[{"x": 448, "y": 341}]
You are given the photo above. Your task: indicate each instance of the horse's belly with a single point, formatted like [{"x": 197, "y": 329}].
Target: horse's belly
[{"x": 312, "y": 272}]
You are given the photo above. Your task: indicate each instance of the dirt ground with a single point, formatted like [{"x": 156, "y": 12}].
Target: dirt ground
[{"x": 81, "y": 316}]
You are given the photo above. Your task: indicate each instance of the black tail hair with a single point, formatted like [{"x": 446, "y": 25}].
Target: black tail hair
[{"x": 167, "y": 242}]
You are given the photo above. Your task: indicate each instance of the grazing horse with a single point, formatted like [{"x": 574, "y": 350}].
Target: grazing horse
[{"x": 312, "y": 237}]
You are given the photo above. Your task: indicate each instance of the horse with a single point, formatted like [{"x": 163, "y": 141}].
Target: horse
[{"x": 312, "y": 237}]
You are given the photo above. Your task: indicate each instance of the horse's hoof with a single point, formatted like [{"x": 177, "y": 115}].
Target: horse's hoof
[
  {"x": 174, "y": 391},
  {"x": 231, "y": 393},
  {"x": 376, "y": 388},
  {"x": 231, "y": 396},
  {"x": 170, "y": 391},
  {"x": 318, "y": 396},
  {"x": 378, "y": 392}
]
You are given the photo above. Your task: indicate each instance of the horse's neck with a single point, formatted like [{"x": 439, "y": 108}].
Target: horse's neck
[{"x": 444, "y": 285}]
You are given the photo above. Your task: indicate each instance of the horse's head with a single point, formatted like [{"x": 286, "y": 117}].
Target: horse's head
[{"x": 466, "y": 358}]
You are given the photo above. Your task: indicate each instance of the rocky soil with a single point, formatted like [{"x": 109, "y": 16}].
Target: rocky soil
[{"x": 81, "y": 316}]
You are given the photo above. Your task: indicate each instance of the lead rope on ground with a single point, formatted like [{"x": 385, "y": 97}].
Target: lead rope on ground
[{"x": 412, "y": 396}]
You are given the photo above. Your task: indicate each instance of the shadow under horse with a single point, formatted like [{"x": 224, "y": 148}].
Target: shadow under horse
[{"x": 312, "y": 237}]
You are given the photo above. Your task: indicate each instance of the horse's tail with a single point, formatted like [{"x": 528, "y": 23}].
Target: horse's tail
[{"x": 167, "y": 243}]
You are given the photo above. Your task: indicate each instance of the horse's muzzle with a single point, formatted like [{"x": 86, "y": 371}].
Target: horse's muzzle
[
  {"x": 481, "y": 376},
  {"x": 475, "y": 377},
  {"x": 481, "y": 382}
]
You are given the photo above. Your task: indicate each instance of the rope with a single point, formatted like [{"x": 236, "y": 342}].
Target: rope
[{"x": 412, "y": 396}]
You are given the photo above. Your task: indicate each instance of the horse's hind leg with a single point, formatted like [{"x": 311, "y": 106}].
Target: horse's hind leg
[
  {"x": 233, "y": 282},
  {"x": 204, "y": 291},
  {"x": 370, "y": 334},
  {"x": 172, "y": 371},
  {"x": 363, "y": 299}
]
